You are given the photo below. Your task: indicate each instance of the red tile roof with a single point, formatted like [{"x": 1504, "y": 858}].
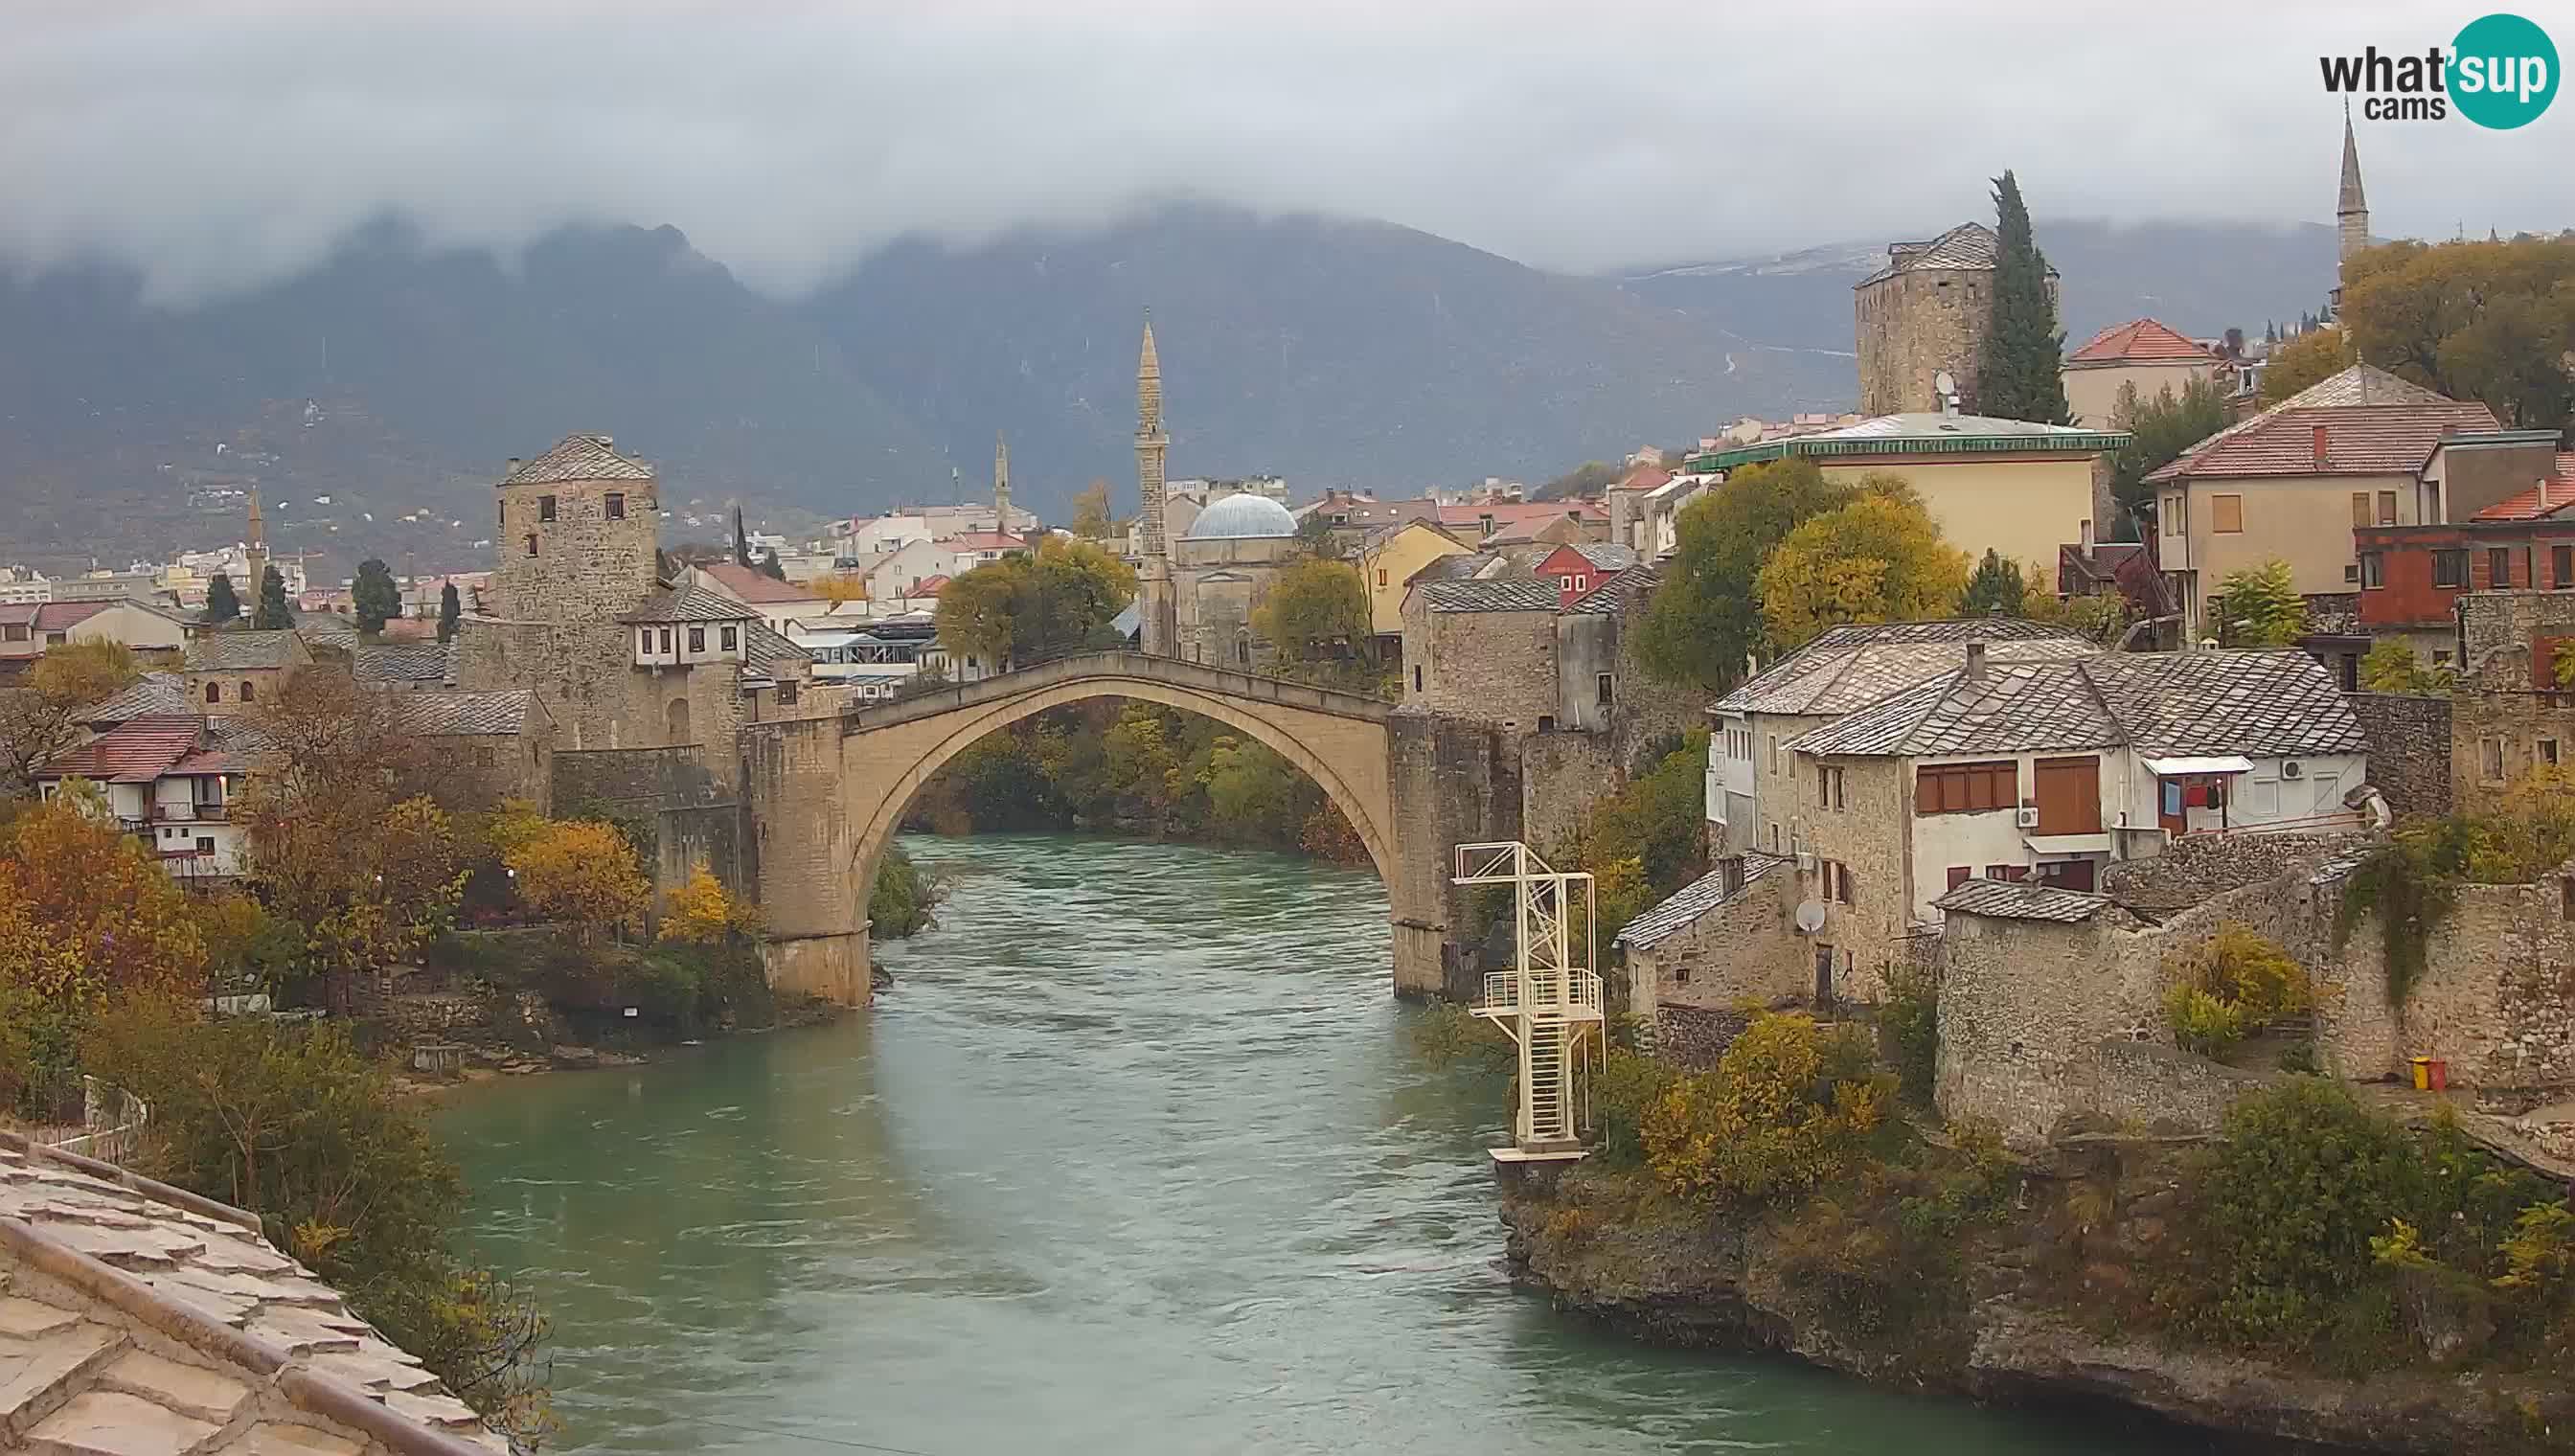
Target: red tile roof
[
  {"x": 51, "y": 615},
  {"x": 2375, "y": 424},
  {"x": 751, "y": 587},
  {"x": 134, "y": 751},
  {"x": 1644, "y": 477},
  {"x": 1522, "y": 513},
  {"x": 2138, "y": 341},
  {"x": 929, "y": 586},
  {"x": 982, "y": 540},
  {"x": 2549, "y": 498}
]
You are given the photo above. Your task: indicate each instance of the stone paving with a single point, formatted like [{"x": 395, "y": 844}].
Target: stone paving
[{"x": 135, "y": 1321}]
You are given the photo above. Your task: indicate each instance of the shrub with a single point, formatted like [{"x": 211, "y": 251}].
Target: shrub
[
  {"x": 1909, "y": 1024},
  {"x": 1767, "y": 1122},
  {"x": 2202, "y": 1022},
  {"x": 1631, "y": 1083},
  {"x": 1445, "y": 1034},
  {"x": 581, "y": 870},
  {"x": 906, "y": 898},
  {"x": 703, "y": 913}
]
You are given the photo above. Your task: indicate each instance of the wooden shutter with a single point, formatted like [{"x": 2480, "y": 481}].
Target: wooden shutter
[
  {"x": 2069, "y": 791},
  {"x": 2360, "y": 510}
]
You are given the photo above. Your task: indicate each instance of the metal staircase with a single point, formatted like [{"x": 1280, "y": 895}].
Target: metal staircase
[{"x": 1548, "y": 1001}]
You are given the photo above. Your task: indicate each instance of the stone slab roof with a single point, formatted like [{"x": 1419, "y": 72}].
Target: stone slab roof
[
  {"x": 153, "y": 695},
  {"x": 1615, "y": 596},
  {"x": 137, "y": 1318},
  {"x": 768, "y": 652},
  {"x": 235, "y": 652},
  {"x": 1499, "y": 594},
  {"x": 1694, "y": 899},
  {"x": 410, "y": 662},
  {"x": 688, "y": 604},
  {"x": 1607, "y": 554},
  {"x": 441, "y": 714},
  {"x": 2164, "y": 705},
  {"x": 1848, "y": 667},
  {"x": 2022, "y": 900},
  {"x": 1969, "y": 245},
  {"x": 580, "y": 458}
]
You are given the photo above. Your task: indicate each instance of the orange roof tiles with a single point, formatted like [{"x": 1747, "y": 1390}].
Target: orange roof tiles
[
  {"x": 134, "y": 751},
  {"x": 753, "y": 587},
  {"x": 2548, "y": 497},
  {"x": 2138, "y": 341}
]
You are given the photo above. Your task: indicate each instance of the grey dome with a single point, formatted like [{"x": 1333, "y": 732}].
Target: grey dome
[{"x": 1243, "y": 518}]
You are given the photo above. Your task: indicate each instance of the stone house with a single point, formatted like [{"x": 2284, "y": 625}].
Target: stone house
[
  {"x": 229, "y": 672},
  {"x": 2142, "y": 353},
  {"x": 2360, "y": 446},
  {"x": 1716, "y": 943},
  {"x": 170, "y": 780},
  {"x": 1483, "y": 649},
  {"x": 1925, "y": 314},
  {"x": 488, "y": 746},
  {"x": 1844, "y": 669},
  {"x": 2008, "y": 485},
  {"x": 2507, "y": 718}
]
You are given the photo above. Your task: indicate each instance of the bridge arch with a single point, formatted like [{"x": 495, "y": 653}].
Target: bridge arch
[{"x": 829, "y": 794}]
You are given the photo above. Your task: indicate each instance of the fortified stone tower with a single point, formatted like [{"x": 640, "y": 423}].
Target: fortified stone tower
[
  {"x": 2351, "y": 210},
  {"x": 579, "y": 531},
  {"x": 1923, "y": 313},
  {"x": 1157, "y": 624}
]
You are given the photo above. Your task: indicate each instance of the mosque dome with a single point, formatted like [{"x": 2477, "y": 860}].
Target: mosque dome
[{"x": 1243, "y": 518}]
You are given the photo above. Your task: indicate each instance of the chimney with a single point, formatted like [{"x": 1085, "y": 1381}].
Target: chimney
[
  {"x": 512, "y": 465},
  {"x": 2322, "y": 449},
  {"x": 1975, "y": 660},
  {"x": 2087, "y": 536}
]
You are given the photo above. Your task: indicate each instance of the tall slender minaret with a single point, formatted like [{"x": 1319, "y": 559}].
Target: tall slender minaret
[
  {"x": 2351, "y": 209},
  {"x": 1001, "y": 483},
  {"x": 255, "y": 553},
  {"x": 1157, "y": 626}
]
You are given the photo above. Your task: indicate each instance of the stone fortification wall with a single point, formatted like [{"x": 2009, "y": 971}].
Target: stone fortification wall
[
  {"x": 1451, "y": 782},
  {"x": 2409, "y": 748},
  {"x": 1562, "y": 773},
  {"x": 2496, "y": 999}
]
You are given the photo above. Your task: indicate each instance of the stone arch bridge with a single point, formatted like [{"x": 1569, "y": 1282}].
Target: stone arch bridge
[{"x": 826, "y": 795}]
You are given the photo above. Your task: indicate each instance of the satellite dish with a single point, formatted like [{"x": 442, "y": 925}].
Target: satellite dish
[
  {"x": 1946, "y": 381},
  {"x": 1810, "y": 917}
]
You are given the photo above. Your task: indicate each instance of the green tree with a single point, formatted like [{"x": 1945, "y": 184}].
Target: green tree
[
  {"x": 2492, "y": 321},
  {"x": 1996, "y": 590},
  {"x": 1091, "y": 519},
  {"x": 1026, "y": 608},
  {"x": 2259, "y": 606},
  {"x": 1704, "y": 626},
  {"x": 1879, "y": 558},
  {"x": 772, "y": 567},
  {"x": 2159, "y": 431},
  {"x": 1314, "y": 536},
  {"x": 905, "y": 900},
  {"x": 741, "y": 541},
  {"x": 376, "y": 597},
  {"x": 1311, "y": 606},
  {"x": 2019, "y": 372},
  {"x": 222, "y": 605},
  {"x": 451, "y": 611},
  {"x": 2392, "y": 666},
  {"x": 2304, "y": 362},
  {"x": 1588, "y": 478},
  {"x": 272, "y": 614}
]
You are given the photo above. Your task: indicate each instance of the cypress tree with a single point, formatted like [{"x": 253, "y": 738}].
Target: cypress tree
[
  {"x": 772, "y": 567},
  {"x": 2019, "y": 374},
  {"x": 449, "y": 612},
  {"x": 272, "y": 614},
  {"x": 375, "y": 595},
  {"x": 222, "y": 605},
  {"x": 741, "y": 541}
]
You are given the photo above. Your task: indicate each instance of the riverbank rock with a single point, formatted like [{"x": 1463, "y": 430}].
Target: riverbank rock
[{"x": 1696, "y": 1279}]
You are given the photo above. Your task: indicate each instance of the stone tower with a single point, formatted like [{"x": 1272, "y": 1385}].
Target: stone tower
[
  {"x": 1923, "y": 313},
  {"x": 1001, "y": 483},
  {"x": 2351, "y": 210},
  {"x": 1156, "y": 622},
  {"x": 254, "y": 557},
  {"x": 580, "y": 527}
]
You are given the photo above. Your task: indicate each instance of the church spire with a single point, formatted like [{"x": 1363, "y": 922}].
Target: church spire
[{"x": 2351, "y": 210}]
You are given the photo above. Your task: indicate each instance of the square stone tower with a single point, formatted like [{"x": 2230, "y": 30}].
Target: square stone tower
[
  {"x": 1927, "y": 312},
  {"x": 579, "y": 531}
]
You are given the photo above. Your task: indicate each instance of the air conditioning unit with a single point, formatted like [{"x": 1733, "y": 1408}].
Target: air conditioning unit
[
  {"x": 2289, "y": 768},
  {"x": 1805, "y": 862},
  {"x": 2026, "y": 817}
]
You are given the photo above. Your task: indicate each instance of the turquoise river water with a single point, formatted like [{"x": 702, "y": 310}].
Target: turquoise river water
[{"x": 1134, "y": 1156}]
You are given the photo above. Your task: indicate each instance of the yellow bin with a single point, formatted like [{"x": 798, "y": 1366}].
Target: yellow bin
[{"x": 2422, "y": 1073}]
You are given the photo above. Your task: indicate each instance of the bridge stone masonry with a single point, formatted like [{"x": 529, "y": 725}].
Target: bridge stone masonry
[{"x": 825, "y": 795}]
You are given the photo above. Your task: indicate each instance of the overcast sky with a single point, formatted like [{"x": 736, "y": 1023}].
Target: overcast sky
[{"x": 220, "y": 144}]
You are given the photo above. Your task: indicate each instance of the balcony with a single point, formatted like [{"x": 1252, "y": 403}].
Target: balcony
[
  {"x": 1556, "y": 996},
  {"x": 189, "y": 814}
]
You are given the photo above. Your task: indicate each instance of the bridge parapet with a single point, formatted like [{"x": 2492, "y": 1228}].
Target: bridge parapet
[{"x": 1174, "y": 672}]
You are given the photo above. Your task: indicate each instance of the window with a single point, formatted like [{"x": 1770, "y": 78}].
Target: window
[
  {"x": 1546, "y": 723},
  {"x": 617, "y": 504},
  {"x": 1565, "y": 584},
  {"x": 2373, "y": 570},
  {"x": 1381, "y": 577},
  {"x": 485, "y": 758},
  {"x": 1774, "y": 753},
  {"x": 1959, "y": 874},
  {"x": 2449, "y": 569},
  {"x": 532, "y": 542},
  {"x": 214, "y": 692},
  {"x": 2548, "y": 751},
  {"x": 666, "y": 639},
  {"x": 2387, "y": 507},
  {"x": 2226, "y": 515},
  {"x": 1828, "y": 786},
  {"x": 2490, "y": 759},
  {"x": 787, "y": 693},
  {"x": 544, "y": 508},
  {"x": 731, "y": 636},
  {"x": 2498, "y": 568},
  {"x": 643, "y": 638},
  {"x": 1966, "y": 788},
  {"x": 2431, "y": 501},
  {"x": 17, "y": 633},
  {"x": 1837, "y": 881},
  {"x": 2351, "y": 573},
  {"x": 1416, "y": 676},
  {"x": 697, "y": 638},
  {"x": 2561, "y": 566},
  {"x": 2360, "y": 510},
  {"x": 205, "y": 845},
  {"x": 246, "y": 693},
  {"x": 1604, "y": 690},
  {"x": 504, "y": 514}
]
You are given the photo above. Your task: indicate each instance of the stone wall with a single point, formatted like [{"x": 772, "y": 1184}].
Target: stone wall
[
  {"x": 1562, "y": 773},
  {"x": 1742, "y": 951},
  {"x": 1870, "y": 834},
  {"x": 2496, "y": 1000},
  {"x": 2409, "y": 748},
  {"x": 1695, "y": 1037},
  {"x": 634, "y": 778},
  {"x": 584, "y": 674},
  {"x": 1497, "y": 667},
  {"x": 585, "y": 568},
  {"x": 1913, "y": 324},
  {"x": 1451, "y": 782},
  {"x": 484, "y": 768},
  {"x": 2498, "y": 737}
]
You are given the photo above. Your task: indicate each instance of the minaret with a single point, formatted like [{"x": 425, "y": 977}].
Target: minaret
[
  {"x": 1157, "y": 624},
  {"x": 2351, "y": 209},
  {"x": 1001, "y": 483},
  {"x": 255, "y": 554}
]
